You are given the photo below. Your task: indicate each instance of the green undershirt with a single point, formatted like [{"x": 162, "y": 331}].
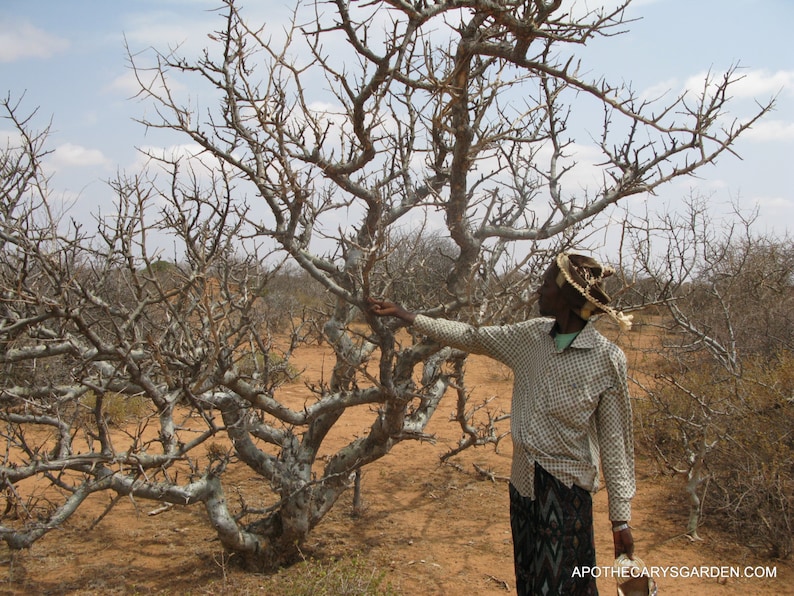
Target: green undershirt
[{"x": 563, "y": 340}]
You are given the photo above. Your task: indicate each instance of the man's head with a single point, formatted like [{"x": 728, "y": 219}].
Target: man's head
[{"x": 575, "y": 282}]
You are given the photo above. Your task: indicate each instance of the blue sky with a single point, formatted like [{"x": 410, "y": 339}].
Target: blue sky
[{"x": 69, "y": 60}]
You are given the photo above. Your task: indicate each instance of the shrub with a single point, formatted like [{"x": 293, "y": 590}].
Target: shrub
[
  {"x": 353, "y": 576},
  {"x": 273, "y": 367},
  {"x": 118, "y": 408},
  {"x": 733, "y": 438}
]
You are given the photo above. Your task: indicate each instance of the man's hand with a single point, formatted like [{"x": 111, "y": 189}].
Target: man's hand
[
  {"x": 384, "y": 308},
  {"x": 622, "y": 539}
]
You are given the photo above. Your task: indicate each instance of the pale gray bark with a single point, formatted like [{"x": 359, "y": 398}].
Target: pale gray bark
[{"x": 425, "y": 122}]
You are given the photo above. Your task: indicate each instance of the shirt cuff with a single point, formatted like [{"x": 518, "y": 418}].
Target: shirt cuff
[{"x": 619, "y": 509}]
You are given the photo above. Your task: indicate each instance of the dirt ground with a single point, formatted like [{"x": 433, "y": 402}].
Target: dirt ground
[{"x": 428, "y": 528}]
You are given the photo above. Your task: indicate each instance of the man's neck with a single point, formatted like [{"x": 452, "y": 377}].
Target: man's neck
[{"x": 569, "y": 322}]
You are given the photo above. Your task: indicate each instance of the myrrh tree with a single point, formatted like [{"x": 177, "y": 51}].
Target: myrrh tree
[{"x": 367, "y": 124}]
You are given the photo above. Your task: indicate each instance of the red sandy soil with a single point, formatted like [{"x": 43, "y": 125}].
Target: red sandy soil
[{"x": 429, "y": 528}]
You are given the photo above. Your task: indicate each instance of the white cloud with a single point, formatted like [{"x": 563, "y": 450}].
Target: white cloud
[
  {"x": 9, "y": 139},
  {"x": 752, "y": 84},
  {"x": 773, "y": 202},
  {"x": 760, "y": 83},
  {"x": 775, "y": 214},
  {"x": 19, "y": 40},
  {"x": 171, "y": 153},
  {"x": 126, "y": 84},
  {"x": 164, "y": 36},
  {"x": 185, "y": 30},
  {"x": 192, "y": 155},
  {"x": 579, "y": 8},
  {"x": 660, "y": 90},
  {"x": 69, "y": 154},
  {"x": 131, "y": 84},
  {"x": 771, "y": 130}
]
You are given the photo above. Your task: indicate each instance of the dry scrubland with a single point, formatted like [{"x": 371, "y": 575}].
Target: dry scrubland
[{"x": 424, "y": 528}]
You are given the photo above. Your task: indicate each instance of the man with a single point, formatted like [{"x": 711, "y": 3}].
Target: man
[{"x": 570, "y": 412}]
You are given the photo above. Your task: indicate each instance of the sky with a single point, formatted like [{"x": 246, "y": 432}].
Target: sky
[{"x": 69, "y": 60}]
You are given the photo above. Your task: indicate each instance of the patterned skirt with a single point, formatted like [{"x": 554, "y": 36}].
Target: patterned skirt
[{"x": 553, "y": 535}]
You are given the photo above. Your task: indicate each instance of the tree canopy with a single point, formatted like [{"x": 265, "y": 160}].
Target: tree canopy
[{"x": 325, "y": 147}]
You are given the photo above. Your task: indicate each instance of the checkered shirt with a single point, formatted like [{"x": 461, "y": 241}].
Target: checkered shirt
[{"x": 570, "y": 408}]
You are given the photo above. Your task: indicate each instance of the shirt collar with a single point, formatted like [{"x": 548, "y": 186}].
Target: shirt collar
[{"x": 586, "y": 338}]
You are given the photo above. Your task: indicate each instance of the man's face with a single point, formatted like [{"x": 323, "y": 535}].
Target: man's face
[{"x": 550, "y": 300}]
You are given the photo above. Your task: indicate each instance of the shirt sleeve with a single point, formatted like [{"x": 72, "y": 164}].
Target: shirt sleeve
[
  {"x": 494, "y": 341},
  {"x": 616, "y": 441}
]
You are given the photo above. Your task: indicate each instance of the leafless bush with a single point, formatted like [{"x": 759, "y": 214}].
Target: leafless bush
[{"x": 721, "y": 411}]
